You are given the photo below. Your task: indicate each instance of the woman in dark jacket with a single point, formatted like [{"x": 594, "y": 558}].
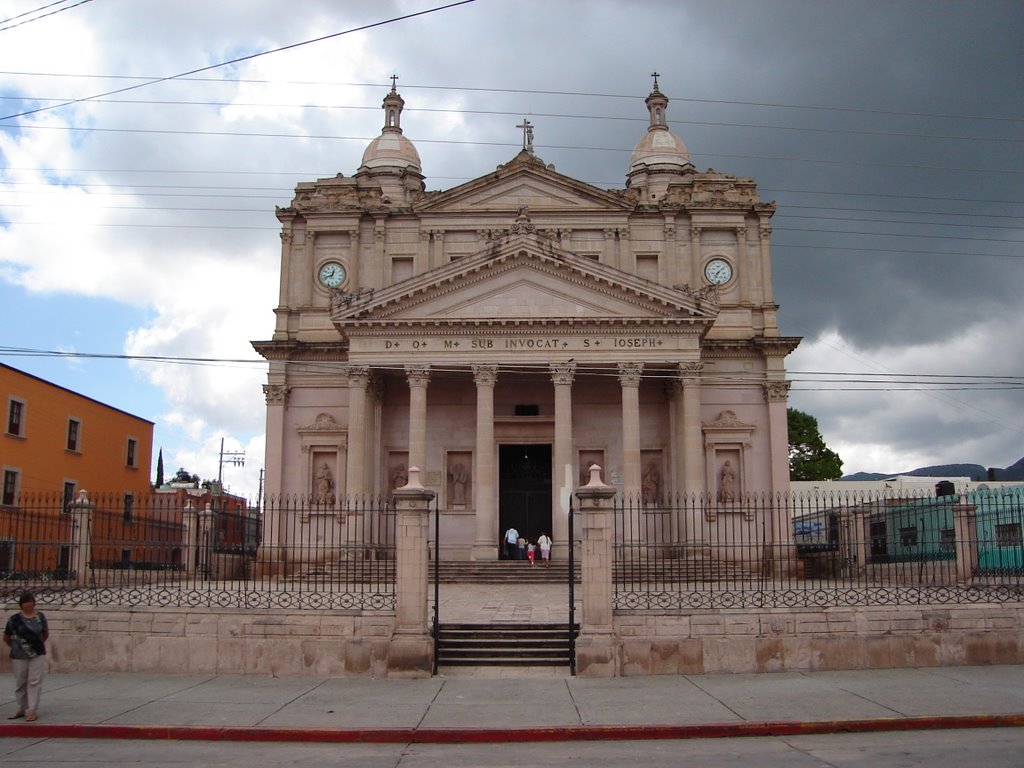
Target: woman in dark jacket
[{"x": 26, "y": 634}]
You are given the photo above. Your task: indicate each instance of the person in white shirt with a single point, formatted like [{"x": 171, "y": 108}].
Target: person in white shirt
[
  {"x": 544, "y": 542},
  {"x": 511, "y": 540}
]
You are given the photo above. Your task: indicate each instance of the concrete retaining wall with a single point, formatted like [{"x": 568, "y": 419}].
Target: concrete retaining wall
[
  {"x": 333, "y": 644},
  {"x": 775, "y": 640},
  {"x": 218, "y": 641}
]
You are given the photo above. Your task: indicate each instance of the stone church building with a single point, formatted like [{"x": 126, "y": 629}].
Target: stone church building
[{"x": 507, "y": 333}]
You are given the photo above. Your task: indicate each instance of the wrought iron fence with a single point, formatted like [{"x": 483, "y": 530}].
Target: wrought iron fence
[
  {"x": 169, "y": 550},
  {"x": 818, "y": 550}
]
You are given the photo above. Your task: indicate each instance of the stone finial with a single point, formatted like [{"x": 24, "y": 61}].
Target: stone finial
[
  {"x": 595, "y": 476},
  {"x": 83, "y": 497},
  {"x": 414, "y": 480}
]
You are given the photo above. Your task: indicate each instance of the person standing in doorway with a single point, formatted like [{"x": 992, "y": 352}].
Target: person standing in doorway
[
  {"x": 26, "y": 634},
  {"x": 511, "y": 542},
  {"x": 521, "y": 548},
  {"x": 544, "y": 543}
]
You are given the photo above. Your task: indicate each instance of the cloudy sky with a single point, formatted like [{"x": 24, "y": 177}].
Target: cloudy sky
[{"x": 141, "y": 224}]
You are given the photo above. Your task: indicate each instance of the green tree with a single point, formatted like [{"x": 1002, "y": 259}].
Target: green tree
[
  {"x": 160, "y": 468},
  {"x": 809, "y": 457},
  {"x": 183, "y": 476}
]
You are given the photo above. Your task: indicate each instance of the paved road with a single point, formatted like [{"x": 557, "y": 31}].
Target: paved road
[{"x": 987, "y": 748}]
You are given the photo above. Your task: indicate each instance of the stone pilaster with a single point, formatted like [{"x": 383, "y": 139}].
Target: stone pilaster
[{"x": 689, "y": 450}]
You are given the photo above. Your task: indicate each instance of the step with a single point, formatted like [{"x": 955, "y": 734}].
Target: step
[{"x": 503, "y": 645}]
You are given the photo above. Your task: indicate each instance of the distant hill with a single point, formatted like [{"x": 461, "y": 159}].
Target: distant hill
[{"x": 973, "y": 471}]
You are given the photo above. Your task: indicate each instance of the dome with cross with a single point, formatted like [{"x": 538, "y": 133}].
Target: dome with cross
[
  {"x": 659, "y": 150},
  {"x": 391, "y": 150}
]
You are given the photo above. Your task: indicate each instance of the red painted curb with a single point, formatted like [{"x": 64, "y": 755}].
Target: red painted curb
[{"x": 497, "y": 735}]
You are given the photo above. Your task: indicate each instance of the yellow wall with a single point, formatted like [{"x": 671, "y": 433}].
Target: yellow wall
[{"x": 40, "y": 453}]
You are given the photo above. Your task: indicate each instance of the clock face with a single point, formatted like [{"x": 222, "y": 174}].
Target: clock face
[
  {"x": 718, "y": 271},
  {"x": 331, "y": 274}
]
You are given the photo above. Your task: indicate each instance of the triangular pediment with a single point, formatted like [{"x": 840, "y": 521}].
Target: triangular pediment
[
  {"x": 524, "y": 279},
  {"x": 525, "y": 182}
]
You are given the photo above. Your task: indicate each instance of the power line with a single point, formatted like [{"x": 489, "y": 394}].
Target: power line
[
  {"x": 534, "y": 114},
  {"x": 238, "y": 60},
  {"x": 600, "y": 184},
  {"x": 464, "y": 142},
  {"x": 523, "y": 91},
  {"x": 42, "y": 16},
  {"x": 653, "y": 372}
]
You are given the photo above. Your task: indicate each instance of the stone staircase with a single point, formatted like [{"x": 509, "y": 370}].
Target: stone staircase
[
  {"x": 502, "y": 572},
  {"x": 690, "y": 569},
  {"x": 504, "y": 645}
]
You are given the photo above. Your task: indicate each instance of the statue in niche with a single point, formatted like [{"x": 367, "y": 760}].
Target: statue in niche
[
  {"x": 324, "y": 484},
  {"x": 459, "y": 478},
  {"x": 399, "y": 476},
  {"x": 650, "y": 484},
  {"x": 727, "y": 482}
]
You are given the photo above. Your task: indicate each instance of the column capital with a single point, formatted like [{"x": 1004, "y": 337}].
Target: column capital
[
  {"x": 629, "y": 374},
  {"x": 376, "y": 386},
  {"x": 776, "y": 391},
  {"x": 357, "y": 375},
  {"x": 690, "y": 371},
  {"x": 485, "y": 375},
  {"x": 417, "y": 375},
  {"x": 276, "y": 394},
  {"x": 562, "y": 373}
]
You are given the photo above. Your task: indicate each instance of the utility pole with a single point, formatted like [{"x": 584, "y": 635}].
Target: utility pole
[{"x": 234, "y": 458}]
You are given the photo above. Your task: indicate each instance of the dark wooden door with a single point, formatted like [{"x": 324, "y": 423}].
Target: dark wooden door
[{"x": 524, "y": 494}]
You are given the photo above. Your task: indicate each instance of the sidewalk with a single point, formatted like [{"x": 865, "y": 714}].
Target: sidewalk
[{"x": 470, "y": 708}]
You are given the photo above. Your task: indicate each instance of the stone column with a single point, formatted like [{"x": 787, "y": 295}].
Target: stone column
[
  {"x": 412, "y": 647},
  {"x": 964, "y": 517},
  {"x": 562, "y": 375},
  {"x": 485, "y": 547},
  {"x": 595, "y": 647},
  {"x": 629, "y": 380},
  {"x": 418, "y": 378},
  {"x": 81, "y": 510},
  {"x": 357, "y": 377}
]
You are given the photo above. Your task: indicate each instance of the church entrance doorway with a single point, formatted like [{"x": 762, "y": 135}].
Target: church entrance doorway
[{"x": 524, "y": 489}]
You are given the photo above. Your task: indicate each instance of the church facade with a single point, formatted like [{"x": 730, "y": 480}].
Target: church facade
[{"x": 506, "y": 334}]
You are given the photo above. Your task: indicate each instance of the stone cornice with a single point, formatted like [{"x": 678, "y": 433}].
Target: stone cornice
[{"x": 301, "y": 350}]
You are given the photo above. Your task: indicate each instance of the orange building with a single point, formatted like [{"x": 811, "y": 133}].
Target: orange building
[{"x": 56, "y": 441}]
